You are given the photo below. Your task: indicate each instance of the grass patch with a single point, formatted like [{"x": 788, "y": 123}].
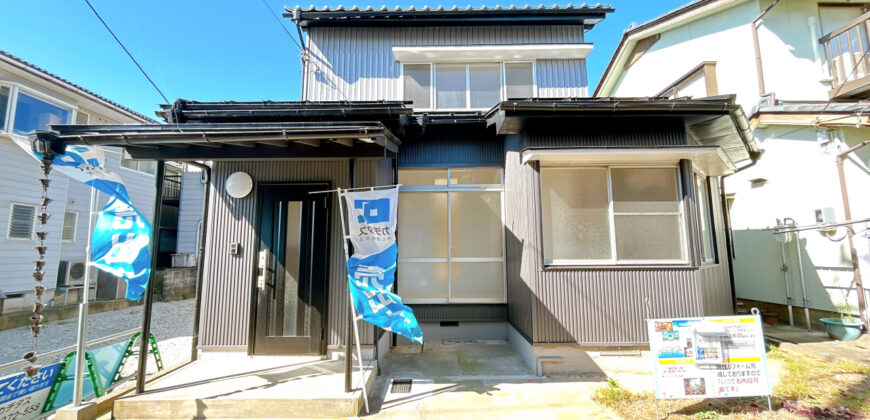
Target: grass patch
[
  {"x": 809, "y": 386},
  {"x": 613, "y": 394}
]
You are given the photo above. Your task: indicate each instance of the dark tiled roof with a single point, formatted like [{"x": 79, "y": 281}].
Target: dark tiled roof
[
  {"x": 57, "y": 78},
  {"x": 555, "y": 14}
]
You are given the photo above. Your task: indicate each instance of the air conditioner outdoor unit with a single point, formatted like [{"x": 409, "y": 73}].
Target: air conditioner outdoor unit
[{"x": 75, "y": 273}]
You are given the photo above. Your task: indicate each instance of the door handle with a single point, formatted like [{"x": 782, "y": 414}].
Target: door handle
[{"x": 261, "y": 270}]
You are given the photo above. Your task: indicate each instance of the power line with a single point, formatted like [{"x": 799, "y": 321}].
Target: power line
[
  {"x": 277, "y": 19},
  {"x": 126, "y": 51}
]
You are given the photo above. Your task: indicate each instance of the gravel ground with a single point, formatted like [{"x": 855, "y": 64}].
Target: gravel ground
[{"x": 171, "y": 324}]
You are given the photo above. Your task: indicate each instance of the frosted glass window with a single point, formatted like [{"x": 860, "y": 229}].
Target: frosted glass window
[
  {"x": 450, "y": 86},
  {"x": 576, "y": 220},
  {"x": 519, "y": 81},
  {"x": 4, "y": 106},
  {"x": 705, "y": 219},
  {"x": 477, "y": 280},
  {"x": 423, "y": 176},
  {"x": 648, "y": 237},
  {"x": 422, "y": 229},
  {"x": 475, "y": 224},
  {"x": 644, "y": 190},
  {"x": 484, "y": 82},
  {"x": 34, "y": 114},
  {"x": 417, "y": 85},
  {"x": 479, "y": 175},
  {"x": 422, "y": 280}
]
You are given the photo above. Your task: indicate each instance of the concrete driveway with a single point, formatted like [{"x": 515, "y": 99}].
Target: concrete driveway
[{"x": 478, "y": 380}]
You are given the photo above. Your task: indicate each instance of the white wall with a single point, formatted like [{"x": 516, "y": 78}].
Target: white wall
[
  {"x": 190, "y": 212},
  {"x": 801, "y": 175}
]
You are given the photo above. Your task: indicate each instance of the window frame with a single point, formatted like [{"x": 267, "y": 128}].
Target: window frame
[
  {"x": 711, "y": 220},
  {"x": 614, "y": 261},
  {"x": 14, "y": 89},
  {"x": 138, "y": 163},
  {"x": 459, "y": 188},
  {"x": 75, "y": 226},
  {"x": 433, "y": 89},
  {"x": 32, "y": 222}
]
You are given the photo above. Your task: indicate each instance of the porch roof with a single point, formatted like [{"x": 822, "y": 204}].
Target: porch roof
[
  {"x": 236, "y": 141},
  {"x": 714, "y": 121},
  {"x": 250, "y": 130}
]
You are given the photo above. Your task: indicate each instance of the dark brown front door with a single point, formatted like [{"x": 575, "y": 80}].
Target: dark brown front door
[{"x": 292, "y": 270}]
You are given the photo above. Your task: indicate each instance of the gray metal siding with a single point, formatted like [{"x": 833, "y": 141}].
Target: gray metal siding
[
  {"x": 462, "y": 147},
  {"x": 561, "y": 78},
  {"x": 358, "y": 64},
  {"x": 715, "y": 279},
  {"x": 226, "y": 299},
  {"x": 460, "y": 312},
  {"x": 520, "y": 262},
  {"x": 613, "y": 131},
  {"x": 190, "y": 210}
]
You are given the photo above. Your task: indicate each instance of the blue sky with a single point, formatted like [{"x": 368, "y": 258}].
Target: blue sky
[{"x": 206, "y": 50}]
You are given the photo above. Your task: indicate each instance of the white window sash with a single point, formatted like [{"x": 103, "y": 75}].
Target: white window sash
[{"x": 433, "y": 89}]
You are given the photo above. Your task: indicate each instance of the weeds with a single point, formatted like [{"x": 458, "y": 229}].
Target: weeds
[{"x": 613, "y": 394}]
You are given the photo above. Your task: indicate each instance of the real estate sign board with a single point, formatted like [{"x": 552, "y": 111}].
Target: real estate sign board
[
  {"x": 711, "y": 357},
  {"x": 22, "y": 397}
]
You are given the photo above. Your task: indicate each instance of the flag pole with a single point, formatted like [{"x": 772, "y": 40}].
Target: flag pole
[
  {"x": 344, "y": 239},
  {"x": 78, "y": 381}
]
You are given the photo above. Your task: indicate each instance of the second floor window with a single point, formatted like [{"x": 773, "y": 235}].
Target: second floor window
[
  {"x": 453, "y": 86},
  {"x": 145, "y": 166},
  {"x": 22, "y": 113}
]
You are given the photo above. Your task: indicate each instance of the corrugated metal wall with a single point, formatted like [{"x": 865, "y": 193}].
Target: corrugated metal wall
[
  {"x": 355, "y": 64},
  {"x": 463, "y": 145},
  {"x": 561, "y": 78},
  {"x": 521, "y": 263},
  {"x": 715, "y": 279},
  {"x": 607, "y": 132},
  {"x": 228, "y": 281}
]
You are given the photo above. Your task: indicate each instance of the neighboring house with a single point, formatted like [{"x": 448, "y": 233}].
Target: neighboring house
[
  {"x": 784, "y": 60},
  {"x": 33, "y": 99},
  {"x": 528, "y": 211}
]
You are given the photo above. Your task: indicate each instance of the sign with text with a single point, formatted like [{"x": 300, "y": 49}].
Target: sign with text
[
  {"x": 22, "y": 397},
  {"x": 711, "y": 357}
]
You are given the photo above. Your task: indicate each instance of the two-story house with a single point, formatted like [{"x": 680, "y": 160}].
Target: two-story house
[
  {"x": 528, "y": 211},
  {"x": 799, "y": 70},
  {"x": 32, "y": 99}
]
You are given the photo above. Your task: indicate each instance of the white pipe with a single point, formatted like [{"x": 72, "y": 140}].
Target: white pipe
[
  {"x": 83, "y": 310},
  {"x": 787, "y": 285},
  {"x": 801, "y": 272}
]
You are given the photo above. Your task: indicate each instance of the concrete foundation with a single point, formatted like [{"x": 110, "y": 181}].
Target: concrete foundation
[{"x": 179, "y": 283}]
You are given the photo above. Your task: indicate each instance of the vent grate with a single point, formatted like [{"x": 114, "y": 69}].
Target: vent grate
[{"x": 401, "y": 386}]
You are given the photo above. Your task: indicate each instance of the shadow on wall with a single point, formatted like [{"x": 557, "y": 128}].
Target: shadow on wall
[{"x": 758, "y": 273}]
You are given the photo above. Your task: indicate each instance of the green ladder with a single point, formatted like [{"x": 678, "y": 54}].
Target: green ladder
[{"x": 60, "y": 395}]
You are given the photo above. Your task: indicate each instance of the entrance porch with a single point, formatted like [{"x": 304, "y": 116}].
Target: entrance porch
[{"x": 234, "y": 385}]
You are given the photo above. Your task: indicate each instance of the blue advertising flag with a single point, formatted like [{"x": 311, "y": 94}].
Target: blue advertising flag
[
  {"x": 371, "y": 271},
  {"x": 121, "y": 236}
]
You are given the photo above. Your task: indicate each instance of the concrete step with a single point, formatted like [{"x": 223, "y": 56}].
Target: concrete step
[{"x": 311, "y": 390}]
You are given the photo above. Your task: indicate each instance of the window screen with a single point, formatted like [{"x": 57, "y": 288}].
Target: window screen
[
  {"x": 450, "y": 86},
  {"x": 610, "y": 215},
  {"x": 69, "y": 226},
  {"x": 705, "y": 219},
  {"x": 484, "y": 82},
  {"x": 21, "y": 220},
  {"x": 417, "y": 85},
  {"x": 34, "y": 114},
  {"x": 518, "y": 80}
]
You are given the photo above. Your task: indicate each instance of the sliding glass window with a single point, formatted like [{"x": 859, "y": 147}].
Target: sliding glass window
[{"x": 451, "y": 235}]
